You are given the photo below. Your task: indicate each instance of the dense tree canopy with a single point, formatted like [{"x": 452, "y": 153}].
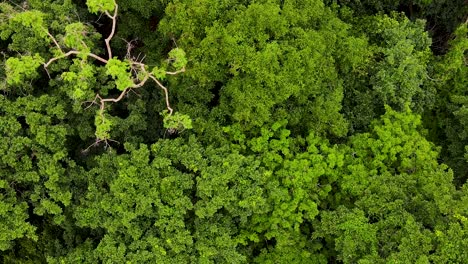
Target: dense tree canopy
[{"x": 234, "y": 131}]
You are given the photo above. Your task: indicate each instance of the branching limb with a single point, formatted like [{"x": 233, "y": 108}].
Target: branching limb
[
  {"x": 91, "y": 103},
  {"x": 74, "y": 52},
  {"x": 133, "y": 91},
  {"x": 168, "y": 105},
  {"x": 54, "y": 40},
  {"x": 130, "y": 46},
  {"x": 121, "y": 96},
  {"x": 176, "y": 72},
  {"x": 60, "y": 57},
  {"x": 98, "y": 141},
  {"x": 111, "y": 35},
  {"x": 115, "y": 100},
  {"x": 140, "y": 84}
]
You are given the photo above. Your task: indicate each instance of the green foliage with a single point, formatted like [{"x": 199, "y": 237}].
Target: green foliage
[
  {"x": 103, "y": 125},
  {"x": 399, "y": 77},
  {"x": 82, "y": 79},
  {"x": 451, "y": 240},
  {"x": 27, "y": 30},
  {"x": 177, "y": 121},
  {"x": 19, "y": 70},
  {"x": 33, "y": 159},
  {"x": 74, "y": 38},
  {"x": 119, "y": 70},
  {"x": 396, "y": 70},
  {"x": 31, "y": 19},
  {"x": 96, "y": 6},
  {"x": 304, "y": 142},
  {"x": 159, "y": 73},
  {"x": 356, "y": 240},
  {"x": 13, "y": 216},
  {"x": 273, "y": 61},
  {"x": 450, "y": 78},
  {"x": 178, "y": 59},
  {"x": 397, "y": 191}
]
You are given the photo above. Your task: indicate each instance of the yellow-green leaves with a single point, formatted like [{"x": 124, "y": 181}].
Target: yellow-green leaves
[
  {"x": 103, "y": 125},
  {"x": 75, "y": 35},
  {"x": 177, "y": 56},
  {"x": 177, "y": 121},
  {"x": 119, "y": 70},
  {"x": 273, "y": 61},
  {"x": 81, "y": 79},
  {"x": 31, "y": 19},
  {"x": 21, "y": 69},
  {"x": 96, "y": 6},
  {"x": 159, "y": 73}
]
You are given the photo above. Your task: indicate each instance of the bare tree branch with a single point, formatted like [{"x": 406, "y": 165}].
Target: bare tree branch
[
  {"x": 74, "y": 52},
  {"x": 111, "y": 35},
  {"x": 168, "y": 105},
  {"x": 98, "y": 141},
  {"x": 176, "y": 72},
  {"x": 54, "y": 40},
  {"x": 115, "y": 100}
]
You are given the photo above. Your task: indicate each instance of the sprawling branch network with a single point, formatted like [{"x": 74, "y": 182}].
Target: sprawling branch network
[{"x": 137, "y": 68}]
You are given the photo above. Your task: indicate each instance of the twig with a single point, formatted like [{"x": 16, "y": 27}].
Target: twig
[
  {"x": 138, "y": 85},
  {"x": 47, "y": 71},
  {"x": 98, "y": 141},
  {"x": 129, "y": 47},
  {"x": 133, "y": 91},
  {"x": 91, "y": 102},
  {"x": 17, "y": 5}
]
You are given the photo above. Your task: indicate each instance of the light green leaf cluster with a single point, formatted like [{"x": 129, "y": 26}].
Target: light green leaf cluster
[
  {"x": 27, "y": 30},
  {"x": 33, "y": 19},
  {"x": 452, "y": 239},
  {"x": 289, "y": 181},
  {"x": 144, "y": 204},
  {"x": 6, "y": 13},
  {"x": 119, "y": 70},
  {"x": 81, "y": 80},
  {"x": 103, "y": 125},
  {"x": 75, "y": 36},
  {"x": 177, "y": 121},
  {"x": 19, "y": 70},
  {"x": 391, "y": 175},
  {"x": 159, "y": 73},
  {"x": 356, "y": 238},
  {"x": 178, "y": 58},
  {"x": 96, "y": 6}
]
